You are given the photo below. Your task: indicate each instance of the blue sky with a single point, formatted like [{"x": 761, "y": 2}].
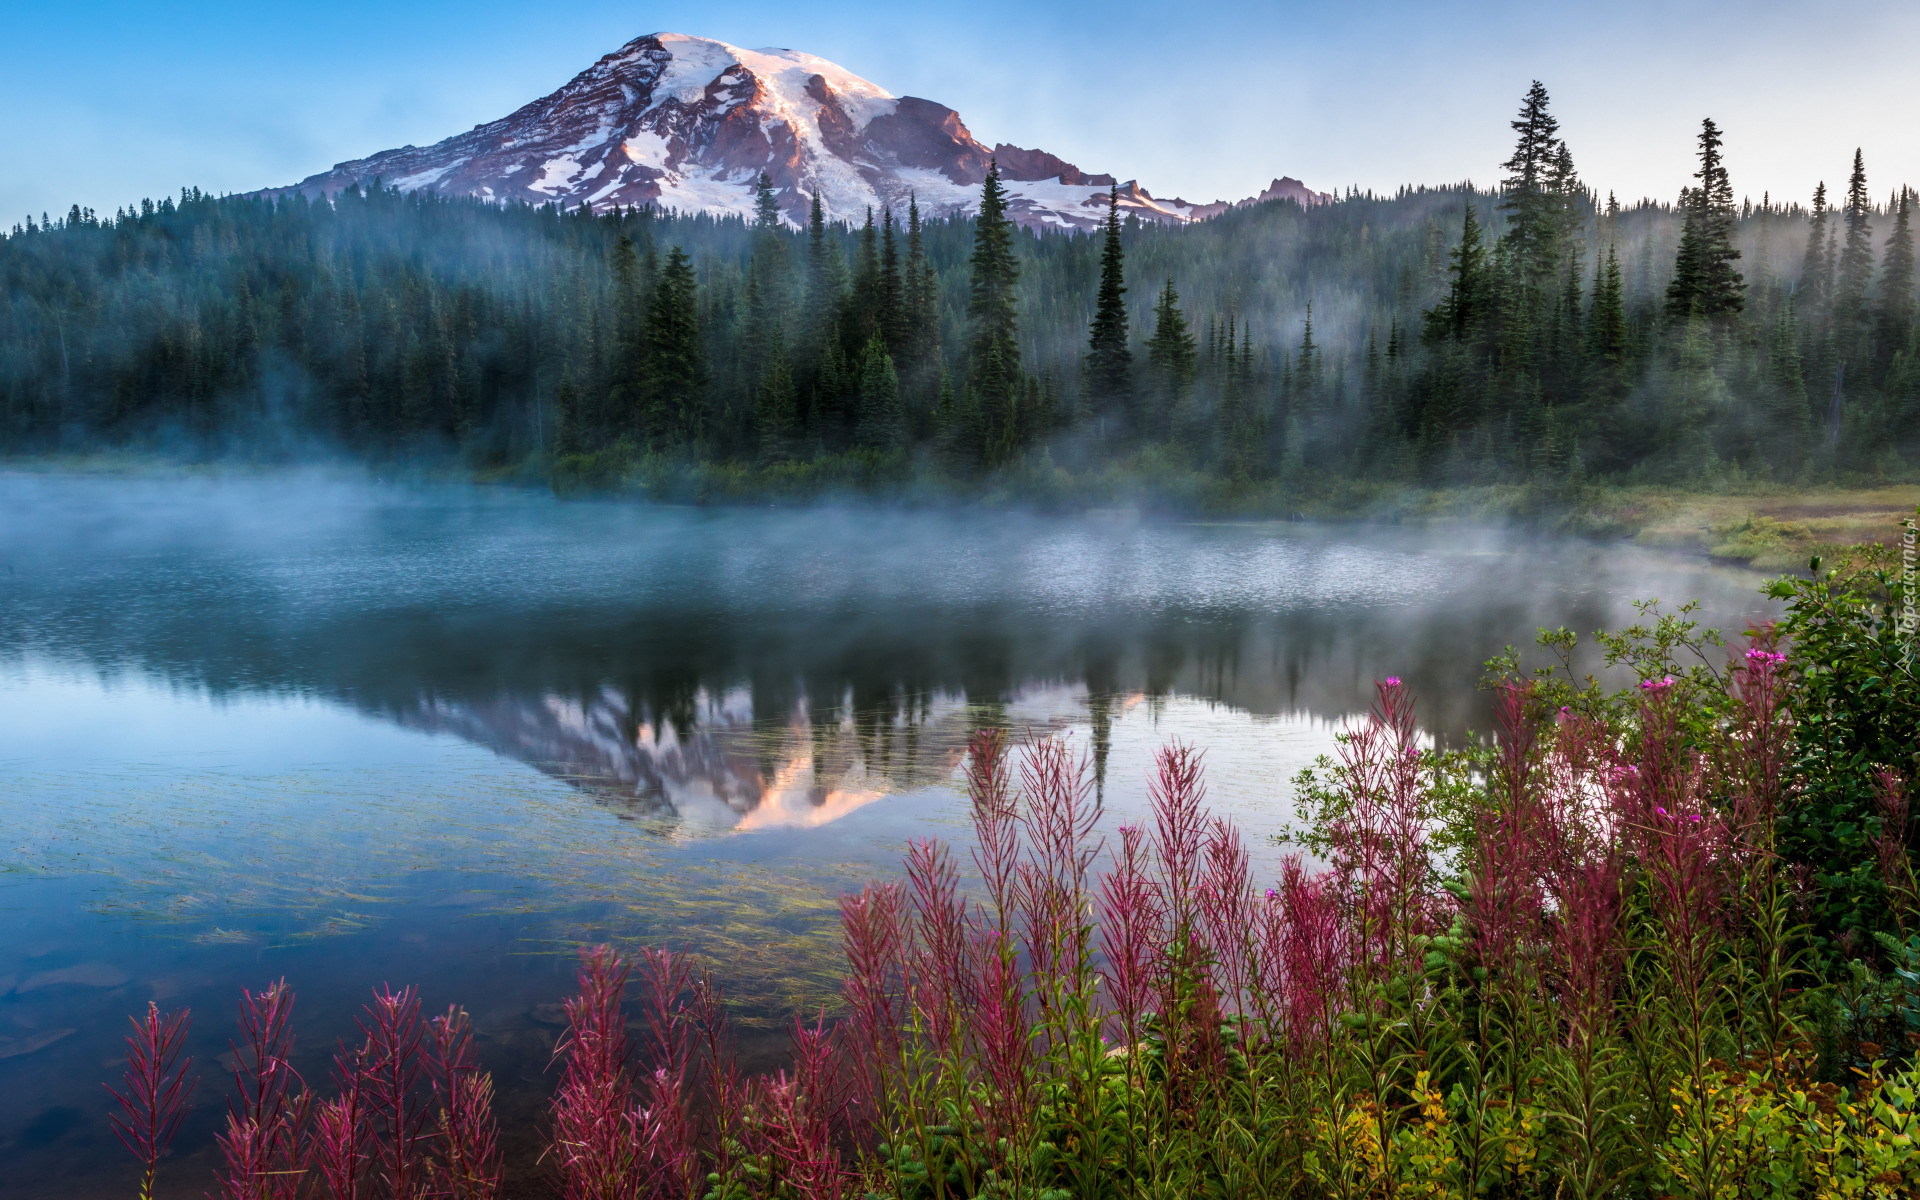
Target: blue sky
[{"x": 104, "y": 104}]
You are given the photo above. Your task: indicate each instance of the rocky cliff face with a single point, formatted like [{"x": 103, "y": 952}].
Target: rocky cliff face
[{"x": 689, "y": 124}]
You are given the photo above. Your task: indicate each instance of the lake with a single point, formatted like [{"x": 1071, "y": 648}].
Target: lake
[{"x": 348, "y": 732}]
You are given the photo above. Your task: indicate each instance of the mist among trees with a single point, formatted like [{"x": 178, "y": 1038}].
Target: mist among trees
[{"x": 1536, "y": 332}]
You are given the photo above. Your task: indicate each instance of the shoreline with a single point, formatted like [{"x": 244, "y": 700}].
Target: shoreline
[{"x": 1763, "y": 527}]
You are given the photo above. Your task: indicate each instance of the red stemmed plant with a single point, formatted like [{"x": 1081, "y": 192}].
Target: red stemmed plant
[{"x": 154, "y": 1101}]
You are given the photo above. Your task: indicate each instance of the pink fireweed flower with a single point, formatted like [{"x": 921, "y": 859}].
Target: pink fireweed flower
[{"x": 155, "y": 1101}]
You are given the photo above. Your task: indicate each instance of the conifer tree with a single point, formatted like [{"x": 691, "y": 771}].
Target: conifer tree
[
  {"x": 768, "y": 282},
  {"x": 1528, "y": 197},
  {"x": 920, "y": 290},
  {"x": 862, "y": 317},
  {"x": 1109, "y": 369},
  {"x": 992, "y": 299},
  {"x": 1462, "y": 312},
  {"x": 1704, "y": 281},
  {"x": 1607, "y": 316},
  {"x": 1791, "y": 416},
  {"x": 1852, "y": 320},
  {"x": 889, "y": 299},
  {"x": 833, "y": 398},
  {"x": 1171, "y": 356},
  {"x": 1306, "y": 365},
  {"x": 826, "y": 284},
  {"x": 992, "y": 309},
  {"x": 766, "y": 206},
  {"x": 1816, "y": 268},
  {"x": 676, "y": 370},
  {"x": 1893, "y": 323},
  {"x": 882, "y": 420},
  {"x": 777, "y": 412}
]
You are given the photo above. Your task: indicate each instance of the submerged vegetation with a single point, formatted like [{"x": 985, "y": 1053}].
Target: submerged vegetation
[
  {"x": 1662, "y": 941},
  {"x": 1274, "y": 359}
]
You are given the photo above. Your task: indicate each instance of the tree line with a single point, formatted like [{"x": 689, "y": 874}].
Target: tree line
[{"x": 1531, "y": 332}]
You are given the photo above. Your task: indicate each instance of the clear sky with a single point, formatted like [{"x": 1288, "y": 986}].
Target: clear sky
[{"x": 104, "y": 103}]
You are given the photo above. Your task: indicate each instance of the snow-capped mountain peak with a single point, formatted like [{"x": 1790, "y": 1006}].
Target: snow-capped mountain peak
[{"x": 689, "y": 123}]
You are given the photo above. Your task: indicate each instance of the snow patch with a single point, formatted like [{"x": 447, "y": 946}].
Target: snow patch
[
  {"x": 427, "y": 178},
  {"x": 557, "y": 173},
  {"x": 647, "y": 148}
]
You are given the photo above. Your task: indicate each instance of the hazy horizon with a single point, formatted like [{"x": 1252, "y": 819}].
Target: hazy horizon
[{"x": 229, "y": 98}]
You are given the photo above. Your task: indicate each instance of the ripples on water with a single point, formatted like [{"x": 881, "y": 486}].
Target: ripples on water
[{"x": 348, "y": 732}]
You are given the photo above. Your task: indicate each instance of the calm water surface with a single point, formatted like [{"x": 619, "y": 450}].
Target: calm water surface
[{"x": 349, "y": 733}]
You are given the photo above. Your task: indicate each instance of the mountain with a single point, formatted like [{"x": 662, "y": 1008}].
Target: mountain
[{"x": 689, "y": 123}]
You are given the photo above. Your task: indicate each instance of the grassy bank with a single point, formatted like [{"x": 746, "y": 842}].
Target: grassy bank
[{"x": 1770, "y": 527}]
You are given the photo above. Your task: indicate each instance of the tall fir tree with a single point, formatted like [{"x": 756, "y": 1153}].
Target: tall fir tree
[
  {"x": 890, "y": 320},
  {"x": 1529, "y": 198},
  {"x": 920, "y": 297},
  {"x": 1704, "y": 281},
  {"x": 1464, "y": 310},
  {"x": 1607, "y": 315},
  {"x": 881, "y": 424},
  {"x": 1853, "y": 279},
  {"x": 993, "y": 311},
  {"x": 861, "y": 319},
  {"x": 1893, "y": 322},
  {"x": 1789, "y": 413},
  {"x": 1109, "y": 369},
  {"x": 1816, "y": 268},
  {"x": 676, "y": 369},
  {"x": 1171, "y": 360},
  {"x": 826, "y": 284},
  {"x": 777, "y": 413}
]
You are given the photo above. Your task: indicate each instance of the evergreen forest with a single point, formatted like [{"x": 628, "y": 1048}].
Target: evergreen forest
[{"x": 1537, "y": 332}]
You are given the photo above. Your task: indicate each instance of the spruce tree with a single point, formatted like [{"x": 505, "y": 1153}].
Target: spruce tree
[
  {"x": 1852, "y": 319},
  {"x": 777, "y": 412},
  {"x": 862, "y": 316},
  {"x": 1816, "y": 268},
  {"x": 766, "y": 206},
  {"x": 1607, "y": 315},
  {"x": 1790, "y": 416},
  {"x": 769, "y": 284},
  {"x": 826, "y": 286},
  {"x": 890, "y": 320},
  {"x": 1893, "y": 323},
  {"x": 1704, "y": 281},
  {"x": 920, "y": 291},
  {"x": 1109, "y": 370},
  {"x": 1463, "y": 311},
  {"x": 1528, "y": 197},
  {"x": 992, "y": 309},
  {"x": 676, "y": 369},
  {"x": 1171, "y": 357},
  {"x": 881, "y": 424}
]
